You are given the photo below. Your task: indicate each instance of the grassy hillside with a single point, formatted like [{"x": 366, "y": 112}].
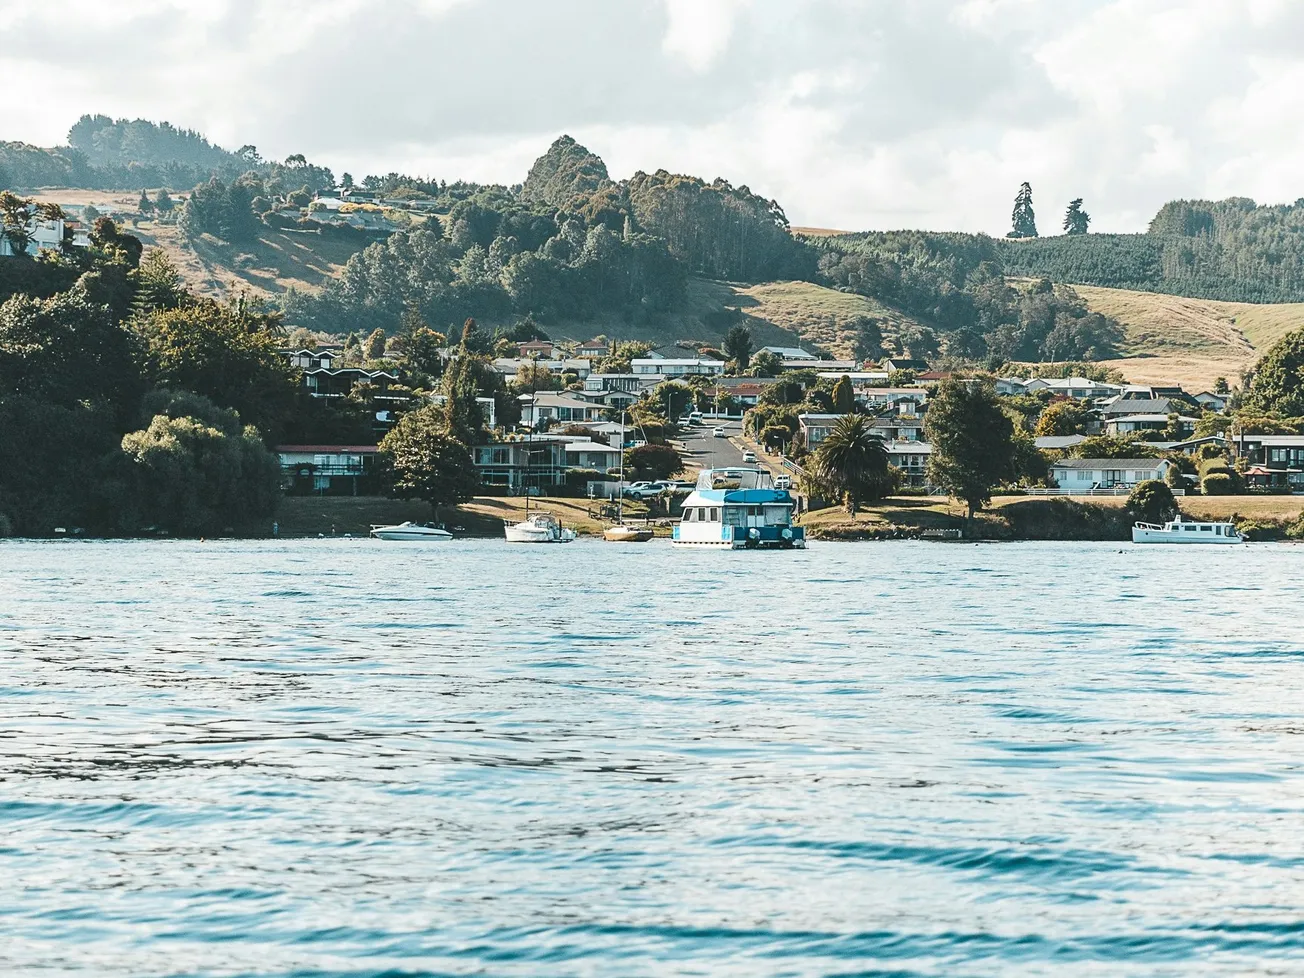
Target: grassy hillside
[{"x": 1190, "y": 341}]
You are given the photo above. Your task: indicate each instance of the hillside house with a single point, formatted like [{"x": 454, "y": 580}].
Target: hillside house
[
  {"x": 1211, "y": 401},
  {"x": 665, "y": 368},
  {"x": 1275, "y": 461},
  {"x": 549, "y": 408},
  {"x": 1078, "y": 388},
  {"x": 313, "y": 359},
  {"x": 595, "y": 349},
  {"x": 325, "y": 382},
  {"x": 911, "y": 457},
  {"x": 538, "y": 463},
  {"x": 327, "y": 470}
]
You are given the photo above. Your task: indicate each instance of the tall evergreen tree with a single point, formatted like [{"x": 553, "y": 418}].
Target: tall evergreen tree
[
  {"x": 738, "y": 346},
  {"x": 1024, "y": 220},
  {"x": 1075, "y": 218},
  {"x": 972, "y": 439}
]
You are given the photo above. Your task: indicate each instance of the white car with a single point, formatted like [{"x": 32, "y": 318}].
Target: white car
[
  {"x": 749, "y": 456},
  {"x": 719, "y": 433},
  {"x": 783, "y": 482}
]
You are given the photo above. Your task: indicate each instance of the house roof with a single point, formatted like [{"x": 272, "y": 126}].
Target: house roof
[
  {"x": 1151, "y": 406},
  {"x": 790, "y": 352},
  {"x": 1108, "y": 463},
  {"x": 1053, "y": 442},
  {"x": 327, "y": 449}
]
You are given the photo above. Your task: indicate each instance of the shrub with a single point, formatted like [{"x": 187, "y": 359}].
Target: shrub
[
  {"x": 1152, "y": 502},
  {"x": 1218, "y": 484}
]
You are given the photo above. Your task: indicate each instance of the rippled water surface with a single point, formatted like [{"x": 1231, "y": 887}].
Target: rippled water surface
[{"x": 354, "y": 758}]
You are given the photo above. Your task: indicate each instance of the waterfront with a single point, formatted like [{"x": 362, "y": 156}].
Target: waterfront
[{"x": 343, "y": 757}]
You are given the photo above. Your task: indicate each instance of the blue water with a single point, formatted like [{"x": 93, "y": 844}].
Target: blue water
[{"x": 352, "y": 758}]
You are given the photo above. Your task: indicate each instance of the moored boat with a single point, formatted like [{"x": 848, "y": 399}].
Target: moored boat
[
  {"x": 539, "y": 528},
  {"x": 410, "y": 531},
  {"x": 623, "y": 533},
  {"x": 1183, "y": 531},
  {"x": 738, "y": 509}
]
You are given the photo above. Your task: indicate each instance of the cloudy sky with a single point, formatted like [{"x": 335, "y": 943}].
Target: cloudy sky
[{"x": 852, "y": 113}]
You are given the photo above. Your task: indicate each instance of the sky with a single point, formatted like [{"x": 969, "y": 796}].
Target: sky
[{"x": 853, "y": 114}]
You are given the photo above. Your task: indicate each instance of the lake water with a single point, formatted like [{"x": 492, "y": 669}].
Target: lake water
[{"x": 343, "y": 757}]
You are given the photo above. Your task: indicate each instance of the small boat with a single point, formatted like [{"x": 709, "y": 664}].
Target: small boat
[
  {"x": 623, "y": 533},
  {"x": 739, "y": 509},
  {"x": 539, "y": 528},
  {"x": 410, "y": 531},
  {"x": 1182, "y": 531}
]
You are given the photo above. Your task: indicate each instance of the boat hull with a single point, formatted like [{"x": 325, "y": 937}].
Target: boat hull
[
  {"x": 1181, "y": 538},
  {"x": 522, "y": 533},
  {"x": 626, "y": 534},
  {"x": 425, "y": 536},
  {"x": 739, "y": 538}
]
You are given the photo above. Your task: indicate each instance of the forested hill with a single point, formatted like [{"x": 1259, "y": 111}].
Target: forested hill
[{"x": 1232, "y": 250}]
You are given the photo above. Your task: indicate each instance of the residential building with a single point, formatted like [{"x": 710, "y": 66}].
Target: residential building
[
  {"x": 911, "y": 457},
  {"x": 46, "y": 235},
  {"x": 1059, "y": 443},
  {"x": 509, "y": 367},
  {"x": 1275, "y": 461},
  {"x": 744, "y": 392},
  {"x": 860, "y": 379},
  {"x": 537, "y": 463},
  {"x": 814, "y": 428},
  {"x": 790, "y": 353},
  {"x": 313, "y": 359},
  {"x": 665, "y": 368},
  {"x": 1011, "y": 386},
  {"x": 838, "y": 367},
  {"x": 1154, "y": 406},
  {"x": 1079, "y": 388},
  {"x": 1211, "y": 401},
  {"x": 903, "y": 400},
  {"x": 1107, "y": 473},
  {"x": 675, "y": 351},
  {"x": 592, "y": 455},
  {"x": 325, "y": 382},
  {"x": 488, "y": 408},
  {"x": 327, "y": 470},
  {"x": 898, "y": 427},
  {"x": 636, "y": 383},
  {"x": 595, "y": 349},
  {"x": 538, "y": 349},
  {"x": 893, "y": 364},
  {"x": 550, "y": 408}
]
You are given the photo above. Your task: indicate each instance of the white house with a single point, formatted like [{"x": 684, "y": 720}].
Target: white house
[
  {"x": 1107, "y": 473},
  {"x": 557, "y": 408},
  {"x": 1211, "y": 401},
  {"x": 326, "y": 469},
  {"x": 313, "y": 359},
  {"x": 911, "y": 457},
  {"x": 790, "y": 353},
  {"x": 1079, "y": 388},
  {"x": 509, "y": 367},
  {"x": 48, "y": 236},
  {"x": 666, "y": 368},
  {"x": 592, "y": 455}
]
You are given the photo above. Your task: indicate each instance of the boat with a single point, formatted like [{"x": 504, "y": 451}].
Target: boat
[
  {"x": 539, "y": 528},
  {"x": 410, "y": 531},
  {"x": 622, "y": 532},
  {"x": 739, "y": 509},
  {"x": 1186, "y": 531}
]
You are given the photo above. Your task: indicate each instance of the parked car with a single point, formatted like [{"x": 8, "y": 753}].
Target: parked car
[
  {"x": 783, "y": 481},
  {"x": 749, "y": 456},
  {"x": 643, "y": 490},
  {"x": 719, "y": 433},
  {"x": 695, "y": 417}
]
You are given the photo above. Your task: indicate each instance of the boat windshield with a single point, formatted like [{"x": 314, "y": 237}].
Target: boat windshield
[{"x": 735, "y": 479}]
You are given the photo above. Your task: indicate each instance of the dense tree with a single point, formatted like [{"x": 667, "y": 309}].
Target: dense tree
[
  {"x": 765, "y": 364},
  {"x": 738, "y": 346},
  {"x": 852, "y": 463},
  {"x": 1278, "y": 384},
  {"x": 868, "y": 338},
  {"x": 15, "y": 215},
  {"x": 1023, "y": 219},
  {"x": 1065, "y": 418},
  {"x": 844, "y": 396},
  {"x": 424, "y": 460},
  {"x": 972, "y": 441},
  {"x": 1076, "y": 219},
  {"x": 159, "y": 285},
  {"x": 374, "y": 346},
  {"x": 653, "y": 462},
  {"x": 1152, "y": 502}
]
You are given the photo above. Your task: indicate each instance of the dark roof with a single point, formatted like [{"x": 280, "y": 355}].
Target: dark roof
[
  {"x": 1107, "y": 463},
  {"x": 1154, "y": 405}
]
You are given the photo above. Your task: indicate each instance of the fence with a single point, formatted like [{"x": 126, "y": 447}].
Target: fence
[{"x": 1120, "y": 491}]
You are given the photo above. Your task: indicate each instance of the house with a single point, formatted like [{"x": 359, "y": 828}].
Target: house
[
  {"x": 325, "y": 382},
  {"x": 1155, "y": 406},
  {"x": 635, "y": 383},
  {"x": 675, "y": 351},
  {"x": 537, "y": 349},
  {"x": 1058, "y": 443},
  {"x": 46, "y": 235},
  {"x": 839, "y": 367},
  {"x": 548, "y": 408},
  {"x": 893, "y": 364},
  {"x": 509, "y": 367},
  {"x": 1079, "y": 388},
  {"x": 903, "y": 400},
  {"x": 898, "y": 428},
  {"x": 1011, "y": 386},
  {"x": 912, "y": 459},
  {"x": 536, "y": 462},
  {"x": 742, "y": 392},
  {"x": 1279, "y": 459},
  {"x": 860, "y": 379},
  {"x": 1131, "y": 423},
  {"x": 313, "y": 359},
  {"x": 612, "y": 432},
  {"x": 790, "y": 353},
  {"x": 592, "y": 455},
  {"x": 665, "y": 368},
  {"x": 1212, "y": 402},
  {"x": 814, "y": 428},
  {"x": 1107, "y": 473},
  {"x": 327, "y": 470},
  {"x": 595, "y": 349},
  {"x": 1124, "y": 416},
  {"x": 487, "y": 405},
  {"x": 933, "y": 376}
]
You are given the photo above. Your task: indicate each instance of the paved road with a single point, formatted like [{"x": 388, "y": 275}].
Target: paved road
[{"x": 706, "y": 451}]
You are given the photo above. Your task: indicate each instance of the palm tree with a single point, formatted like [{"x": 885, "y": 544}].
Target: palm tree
[{"x": 853, "y": 462}]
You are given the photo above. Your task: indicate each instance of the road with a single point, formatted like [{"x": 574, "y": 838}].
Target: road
[{"x": 706, "y": 451}]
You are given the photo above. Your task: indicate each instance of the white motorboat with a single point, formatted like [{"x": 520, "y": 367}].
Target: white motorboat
[
  {"x": 1183, "y": 531},
  {"x": 539, "y": 528},
  {"x": 411, "y": 531}
]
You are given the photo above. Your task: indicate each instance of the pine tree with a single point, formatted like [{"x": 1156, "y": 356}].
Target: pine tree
[
  {"x": 1075, "y": 218},
  {"x": 1023, "y": 218}
]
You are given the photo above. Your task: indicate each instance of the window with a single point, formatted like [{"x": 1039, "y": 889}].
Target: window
[{"x": 715, "y": 515}]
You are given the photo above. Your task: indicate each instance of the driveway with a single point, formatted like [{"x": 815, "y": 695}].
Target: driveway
[{"x": 704, "y": 451}]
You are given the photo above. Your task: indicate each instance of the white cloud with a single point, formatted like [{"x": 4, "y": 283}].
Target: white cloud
[{"x": 698, "y": 30}]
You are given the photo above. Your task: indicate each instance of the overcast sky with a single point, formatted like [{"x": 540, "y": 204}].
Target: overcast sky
[{"x": 852, "y": 113}]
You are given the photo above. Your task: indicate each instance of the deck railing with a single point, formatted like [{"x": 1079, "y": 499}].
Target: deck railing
[{"x": 1118, "y": 491}]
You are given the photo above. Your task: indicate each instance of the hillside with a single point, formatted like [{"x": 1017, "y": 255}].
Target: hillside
[{"x": 1190, "y": 341}]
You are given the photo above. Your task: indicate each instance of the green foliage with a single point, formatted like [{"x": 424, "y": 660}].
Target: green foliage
[
  {"x": 853, "y": 464},
  {"x": 1114, "y": 446},
  {"x": 653, "y": 462},
  {"x": 972, "y": 441},
  {"x": 461, "y": 414},
  {"x": 844, "y": 396},
  {"x": 15, "y": 213},
  {"x": 374, "y": 347},
  {"x": 868, "y": 342},
  {"x": 1076, "y": 220},
  {"x": 765, "y": 364},
  {"x": 1278, "y": 384},
  {"x": 1152, "y": 502},
  {"x": 738, "y": 346},
  {"x": 1218, "y": 484},
  {"x": 566, "y": 177},
  {"x": 424, "y": 460},
  {"x": 1023, "y": 219},
  {"x": 1065, "y": 418},
  {"x": 158, "y": 283},
  {"x": 226, "y": 212}
]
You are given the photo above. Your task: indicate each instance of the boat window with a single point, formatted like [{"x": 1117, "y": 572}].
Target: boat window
[
  {"x": 715, "y": 515},
  {"x": 1218, "y": 530},
  {"x": 1205, "y": 529}
]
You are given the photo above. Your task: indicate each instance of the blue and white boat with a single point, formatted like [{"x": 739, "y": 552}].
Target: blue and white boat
[{"x": 739, "y": 509}]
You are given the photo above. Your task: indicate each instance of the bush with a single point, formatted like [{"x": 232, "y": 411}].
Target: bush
[
  {"x": 653, "y": 461},
  {"x": 1218, "y": 484},
  {"x": 1152, "y": 502}
]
